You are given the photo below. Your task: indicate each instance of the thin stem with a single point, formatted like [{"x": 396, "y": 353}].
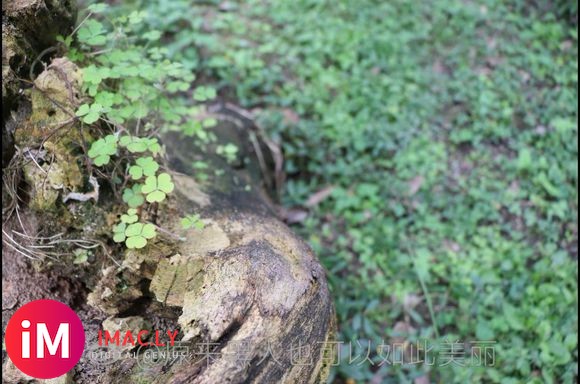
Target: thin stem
[
  {"x": 81, "y": 23},
  {"x": 424, "y": 289}
]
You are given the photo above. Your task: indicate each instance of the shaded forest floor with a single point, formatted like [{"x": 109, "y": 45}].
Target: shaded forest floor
[{"x": 430, "y": 160}]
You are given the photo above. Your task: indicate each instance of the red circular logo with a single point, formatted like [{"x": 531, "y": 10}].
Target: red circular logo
[{"x": 45, "y": 339}]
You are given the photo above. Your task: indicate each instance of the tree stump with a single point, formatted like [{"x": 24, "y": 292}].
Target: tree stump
[{"x": 249, "y": 298}]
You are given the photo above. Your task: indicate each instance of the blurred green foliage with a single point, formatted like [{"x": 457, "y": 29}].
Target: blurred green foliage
[{"x": 448, "y": 132}]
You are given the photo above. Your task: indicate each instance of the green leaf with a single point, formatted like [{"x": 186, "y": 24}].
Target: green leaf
[
  {"x": 137, "y": 17},
  {"x": 148, "y": 231},
  {"x": 140, "y": 144},
  {"x": 91, "y": 114},
  {"x": 81, "y": 256},
  {"x": 134, "y": 229},
  {"x": 136, "y": 172},
  {"x": 119, "y": 232},
  {"x": 156, "y": 196},
  {"x": 152, "y": 35},
  {"x": 91, "y": 117},
  {"x": 484, "y": 332},
  {"x": 192, "y": 128},
  {"x": 204, "y": 93},
  {"x": 130, "y": 217},
  {"x": 141, "y": 110},
  {"x": 133, "y": 196},
  {"x": 133, "y": 144},
  {"x": 153, "y": 146},
  {"x": 563, "y": 126},
  {"x": 512, "y": 317},
  {"x": 422, "y": 263},
  {"x": 83, "y": 110},
  {"x": 164, "y": 183},
  {"x": 138, "y": 233},
  {"x": 560, "y": 352},
  {"x": 524, "y": 159},
  {"x": 148, "y": 165},
  {"x": 136, "y": 242},
  {"x": 102, "y": 160},
  {"x": 107, "y": 99},
  {"x": 545, "y": 182},
  {"x": 200, "y": 165},
  {"x": 145, "y": 166},
  {"x": 229, "y": 151},
  {"x": 157, "y": 187},
  {"x": 65, "y": 40},
  {"x": 94, "y": 114},
  {"x": 209, "y": 122},
  {"x": 190, "y": 221},
  {"x": 98, "y": 7},
  {"x": 102, "y": 150},
  {"x": 92, "y": 33},
  {"x": 75, "y": 55},
  {"x": 175, "y": 86},
  {"x": 95, "y": 75}
]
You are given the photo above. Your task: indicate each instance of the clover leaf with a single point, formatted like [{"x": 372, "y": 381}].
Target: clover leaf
[
  {"x": 140, "y": 144},
  {"x": 81, "y": 256},
  {"x": 209, "y": 122},
  {"x": 67, "y": 41},
  {"x": 145, "y": 166},
  {"x": 192, "y": 128},
  {"x": 107, "y": 99},
  {"x": 98, "y": 7},
  {"x": 229, "y": 151},
  {"x": 119, "y": 232},
  {"x": 133, "y": 144},
  {"x": 204, "y": 93},
  {"x": 137, "y": 235},
  {"x": 102, "y": 150},
  {"x": 136, "y": 17},
  {"x": 153, "y": 146},
  {"x": 152, "y": 35},
  {"x": 95, "y": 75},
  {"x": 133, "y": 196},
  {"x": 176, "y": 86},
  {"x": 90, "y": 114},
  {"x": 157, "y": 187},
  {"x": 192, "y": 221},
  {"x": 130, "y": 217},
  {"x": 92, "y": 33}
]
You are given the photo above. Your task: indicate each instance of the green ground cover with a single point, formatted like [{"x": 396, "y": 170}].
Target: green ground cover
[{"x": 447, "y": 132}]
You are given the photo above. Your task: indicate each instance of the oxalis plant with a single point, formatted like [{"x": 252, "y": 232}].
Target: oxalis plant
[{"x": 135, "y": 92}]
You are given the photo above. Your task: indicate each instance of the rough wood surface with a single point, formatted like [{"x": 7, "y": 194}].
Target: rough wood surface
[
  {"x": 245, "y": 285},
  {"x": 29, "y": 29}
]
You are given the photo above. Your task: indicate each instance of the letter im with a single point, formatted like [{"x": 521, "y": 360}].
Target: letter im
[{"x": 62, "y": 339}]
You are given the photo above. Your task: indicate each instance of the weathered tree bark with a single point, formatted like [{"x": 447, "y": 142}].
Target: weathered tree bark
[
  {"x": 29, "y": 28},
  {"x": 245, "y": 286},
  {"x": 245, "y": 293}
]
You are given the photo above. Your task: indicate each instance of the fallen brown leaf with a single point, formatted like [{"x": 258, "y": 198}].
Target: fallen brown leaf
[
  {"x": 293, "y": 215},
  {"x": 317, "y": 197},
  {"x": 415, "y": 184}
]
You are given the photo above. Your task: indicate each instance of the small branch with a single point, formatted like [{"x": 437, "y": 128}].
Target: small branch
[
  {"x": 81, "y": 24},
  {"x": 168, "y": 233}
]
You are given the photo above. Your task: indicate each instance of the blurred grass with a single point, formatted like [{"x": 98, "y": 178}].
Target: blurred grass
[{"x": 448, "y": 133}]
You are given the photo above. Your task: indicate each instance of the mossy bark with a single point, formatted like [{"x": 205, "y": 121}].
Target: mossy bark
[{"x": 29, "y": 28}]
